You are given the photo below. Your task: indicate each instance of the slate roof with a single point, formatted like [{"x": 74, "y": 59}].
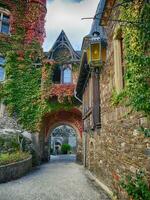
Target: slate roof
[
  {"x": 61, "y": 41},
  {"x": 96, "y": 28}
]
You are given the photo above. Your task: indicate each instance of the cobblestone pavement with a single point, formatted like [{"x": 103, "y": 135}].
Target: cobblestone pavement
[{"x": 57, "y": 180}]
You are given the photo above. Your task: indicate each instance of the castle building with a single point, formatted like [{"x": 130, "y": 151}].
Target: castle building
[
  {"x": 59, "y": 81},
  {"x": 27, "y": 16},
  {"x": 113, "y": 147}
]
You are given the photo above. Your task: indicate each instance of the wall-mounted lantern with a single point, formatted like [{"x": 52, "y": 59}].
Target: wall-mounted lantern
[{"x": 96, "y": 51}]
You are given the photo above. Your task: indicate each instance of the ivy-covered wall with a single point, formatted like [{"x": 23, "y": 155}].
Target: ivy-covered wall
[
  {"x": 22, "y": 50},
  {"x": 121, "y": 149},
  {"x": 28, "y": 86},
  {"x": 135, "y": 29}
]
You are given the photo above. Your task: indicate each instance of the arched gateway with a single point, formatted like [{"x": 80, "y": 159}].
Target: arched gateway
[
  {"x": 59, "y": 93},
  {"x": 52, "y": 120}
]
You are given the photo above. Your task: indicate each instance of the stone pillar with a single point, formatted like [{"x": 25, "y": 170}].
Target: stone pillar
[
  {"x": 46, "y": 152},
  {"x": 36, "y": 156},
  {"x": 2, "y": 109},
  {"x": 79, "y": 152}
]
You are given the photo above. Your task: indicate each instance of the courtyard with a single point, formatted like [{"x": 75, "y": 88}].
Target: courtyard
[{"x": 60, "y": 179}]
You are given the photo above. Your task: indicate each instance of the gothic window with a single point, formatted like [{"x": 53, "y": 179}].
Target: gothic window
[
  {"x": 4, "y": 22},
  {"x": 2, "y": 70},
  {"x": 67, "y": 75}
]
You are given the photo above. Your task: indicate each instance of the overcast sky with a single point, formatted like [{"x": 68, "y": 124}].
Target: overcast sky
[{"x": 66, "y": 15}]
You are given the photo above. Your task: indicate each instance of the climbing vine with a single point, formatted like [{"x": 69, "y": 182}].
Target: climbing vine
[
  {"x": 28, "y": 91},
  {"x": 21, "y": 91},
  {"x": 137, "y": 187},
  {"x": 136, "y": 35}
]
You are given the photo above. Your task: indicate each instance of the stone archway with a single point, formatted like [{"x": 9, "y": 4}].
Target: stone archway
[
  {"x": 77, "y": 139},
  {"x": 72, "y": 118}
]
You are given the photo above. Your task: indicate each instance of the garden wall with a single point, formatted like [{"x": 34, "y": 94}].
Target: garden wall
[{"x": 15, "y": 170}]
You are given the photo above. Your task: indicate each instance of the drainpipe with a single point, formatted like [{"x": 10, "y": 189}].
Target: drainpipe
[{"x": 75, "y": 95}]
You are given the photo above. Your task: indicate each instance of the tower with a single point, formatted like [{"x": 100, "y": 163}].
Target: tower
[{"x": 35, "y": 20}]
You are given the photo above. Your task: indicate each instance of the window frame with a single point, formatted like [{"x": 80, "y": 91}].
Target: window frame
[
  {"x": 2, "y": 66},
  {"x": 6, "y": 13},
  {"x": 63, "y": 78}
]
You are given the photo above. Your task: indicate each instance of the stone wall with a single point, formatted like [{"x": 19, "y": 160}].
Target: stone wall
[
  {"x": 7, "y": 122},
  {"x": 16, "y": 170},
  {"x": 118, "y": 148}
]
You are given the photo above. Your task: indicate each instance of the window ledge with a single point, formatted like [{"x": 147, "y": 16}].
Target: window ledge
[{"x": 4, "y": 34}]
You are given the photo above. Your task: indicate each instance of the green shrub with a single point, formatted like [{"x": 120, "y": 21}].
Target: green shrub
[
  {"x": 65, "y": 148},
  {"x": 7, "y": 158},
  {"x": 14, "y": 142},
  {"x": 136, "y": 187}
]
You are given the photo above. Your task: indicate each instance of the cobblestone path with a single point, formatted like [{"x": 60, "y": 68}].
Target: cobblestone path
[{"x": 63, "y": 180}]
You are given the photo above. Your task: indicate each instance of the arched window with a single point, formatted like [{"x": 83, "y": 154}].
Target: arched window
[
  {"x": 2, "y": 70},
  {"x": 4, "y": 22},
  {"x": 67, "y": 75}
]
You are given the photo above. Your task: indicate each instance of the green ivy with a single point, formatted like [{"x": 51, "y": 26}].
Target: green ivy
[
  {"x": 22, "y": 90},
  {"x": 137, "y": 60},
  {"x": 136, "y": 187},
  {"x": 145, "y": 131}
]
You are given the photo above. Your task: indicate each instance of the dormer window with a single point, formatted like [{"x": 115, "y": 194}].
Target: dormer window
[
  {"x": 67, "y": 75},
  {"x": 2, "y": 70},
  {"x": 4, "y": 22}
]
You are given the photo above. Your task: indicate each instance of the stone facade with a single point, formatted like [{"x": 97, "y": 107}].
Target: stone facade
[{"x": 117, "y": 148}]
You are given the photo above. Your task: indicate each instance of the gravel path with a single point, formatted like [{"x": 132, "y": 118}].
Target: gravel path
[{"x": 57, "y": 180}]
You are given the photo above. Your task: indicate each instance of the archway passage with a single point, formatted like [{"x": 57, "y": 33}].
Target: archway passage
[
  {"x": 72, "y": 118},
  {"x": 63, "y": 143}
]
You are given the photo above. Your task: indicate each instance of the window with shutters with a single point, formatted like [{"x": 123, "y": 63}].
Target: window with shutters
[{"x": 91, "y": 103}]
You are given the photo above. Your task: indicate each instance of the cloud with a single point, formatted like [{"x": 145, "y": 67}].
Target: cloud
[{"x": 66, "y": 15}]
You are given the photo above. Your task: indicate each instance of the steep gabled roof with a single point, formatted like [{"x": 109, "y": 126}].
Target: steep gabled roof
[
  {"x": 63, "y": 41},
  {"x": 96, "y": 28}
]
